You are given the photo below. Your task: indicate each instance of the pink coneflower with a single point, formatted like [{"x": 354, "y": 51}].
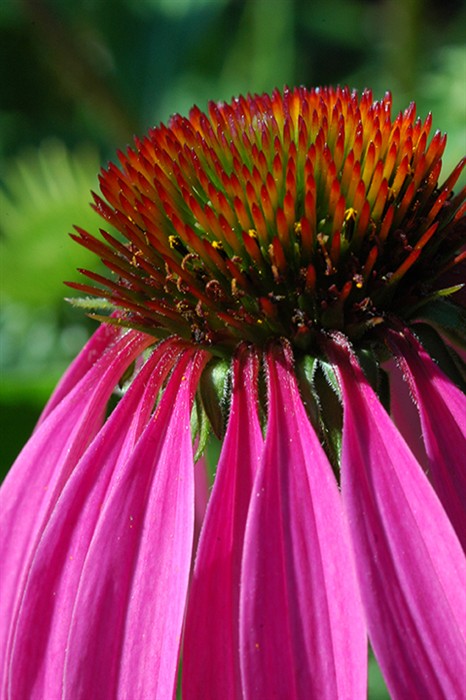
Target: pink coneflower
[{"x": 284, "y": 278}]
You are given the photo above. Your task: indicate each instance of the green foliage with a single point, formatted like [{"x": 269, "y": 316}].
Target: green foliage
[{"x": 45, "y": 191}]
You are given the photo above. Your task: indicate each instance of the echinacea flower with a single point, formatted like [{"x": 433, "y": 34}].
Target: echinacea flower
[{"x": 287, "y": 275}]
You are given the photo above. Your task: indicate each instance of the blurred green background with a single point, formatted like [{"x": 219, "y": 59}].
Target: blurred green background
[{"x": 80, "y": 78}]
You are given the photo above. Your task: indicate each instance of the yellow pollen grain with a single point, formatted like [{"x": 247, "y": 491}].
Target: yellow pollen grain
[
  {"x": 252, "y": 233},
  {"x": 218, "y": 245},
  {"x": 350, "y": 214},
  {"x": 297, "y": 227},
  {"x": 172, "y": 241}
]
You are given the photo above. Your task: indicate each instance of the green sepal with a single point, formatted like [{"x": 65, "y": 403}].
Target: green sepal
[
  {"x": 448, "y": 360},
  {"x": 369, "y": 366},
  {"x": 447, "y": 317},
  {"x": 417, "y": 309},
  {"x": 321, "y": 395},
  {"x": 448, "y": 291},
  {"x": 305, "y": 368},
  {"x": 158, "y": 332},
  {"x": 383, "y": 390},
  {"x": 370, "y": 360},
  {"x": 212, "y": 455},
  {"x": 438, "y": 295},
  {"x": 212, "y": 389},
  {"x": 326, "y": 387},
  {"x": 200, "y": 428},
  {"x": 91, "y": 303},
  {"x": 331, "y": 377}
]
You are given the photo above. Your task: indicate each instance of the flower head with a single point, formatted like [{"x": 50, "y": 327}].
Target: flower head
[
  {"x": 278, "y": 217},
  {"x": 286, "y": 272}
]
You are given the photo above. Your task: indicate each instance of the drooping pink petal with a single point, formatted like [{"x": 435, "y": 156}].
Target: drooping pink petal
[
  {"x": 104, "y": 336},
  {"x": 442, "y": 410},
  {"x": 211, "y": 640},
  {"x": 411, "y": 568},
  {"x": 302, "y": 626},
  {"x": 126, "y": 626},
  {"x": 405, "y": 414},
  {"x": 38, "y": 476},
  {"x": 36, "y": 661}
]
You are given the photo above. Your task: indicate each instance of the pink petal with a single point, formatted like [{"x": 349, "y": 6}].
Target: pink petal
[
  {"x": 210, "y": 654},
  {"x": 405, "y": 414},
  {"x": 442, "y": 410},
  {"x": 302, "y": 625},
  {"x": 36, "y": 480},
  {"x": 97, "y": 344},
  {"x": 127, "y": 620},
  {"x": 37, "y": 661},
  {"x": 411, "y": 569}
]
